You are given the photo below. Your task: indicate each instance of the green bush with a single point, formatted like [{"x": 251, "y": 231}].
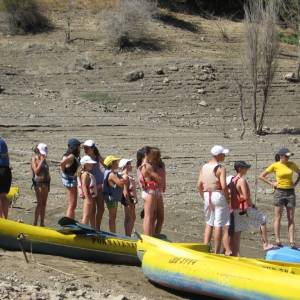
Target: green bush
[
  {"x": 24, "y": 16},
  {"x": 291, "y": 39}
]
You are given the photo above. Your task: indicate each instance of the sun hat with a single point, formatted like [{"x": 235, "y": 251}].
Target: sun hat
[
  {"x": 241, "y": 164},
  {"x": 73, "y": 143},
  {"x": 87, "y": 160},
  {"x": 285, "y": 152},
  {"x": 110, "y": 159},
  {"x": 217, "y": 150},
  {"x": 89, "y": 143},
  {"x": 123, "y": 162},
  {"x": 43, "y": 149}
]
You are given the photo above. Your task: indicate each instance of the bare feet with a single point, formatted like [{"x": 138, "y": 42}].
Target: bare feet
[{"x": 268, "y": 247}]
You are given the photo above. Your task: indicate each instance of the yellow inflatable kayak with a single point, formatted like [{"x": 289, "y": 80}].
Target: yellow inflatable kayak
[
  {"x": 13, "y": 194},
  {"x": 95, "y": 246},
  {"x": 216, "y": 275},
  {"x": 75, "y": 241}
]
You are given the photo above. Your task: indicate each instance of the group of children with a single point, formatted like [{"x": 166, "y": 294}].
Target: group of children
[
  {"x": 228, "y": 206},
  {"x": 100, "y": 181}
]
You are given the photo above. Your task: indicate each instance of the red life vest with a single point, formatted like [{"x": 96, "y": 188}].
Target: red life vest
[{"x": 236, "y": 200}]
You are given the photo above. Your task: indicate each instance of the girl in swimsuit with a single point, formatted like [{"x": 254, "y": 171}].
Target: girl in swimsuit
[
  {"x": 69, "y": 165},
  {"x": 90, "y": 149},
  {"x": 161, "y": 171},
  {"x": 87, "y": 187},
  {"x": 129, "y": 197},
  {"x": 149, "y": 181},
  {"x": 41, "y": 181}
]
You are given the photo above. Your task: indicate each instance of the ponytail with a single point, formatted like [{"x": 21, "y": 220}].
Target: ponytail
[
  {"x": 35, "y": 149},
  {"x": 277, "y": 157}
]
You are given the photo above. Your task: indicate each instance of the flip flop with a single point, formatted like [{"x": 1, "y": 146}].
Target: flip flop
[
  {"x": 279, "y": 244},
  {"x": 294, "y": 247}
]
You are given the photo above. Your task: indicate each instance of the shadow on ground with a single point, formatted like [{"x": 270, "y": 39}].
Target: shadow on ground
[{"x": 178, "y": 23}]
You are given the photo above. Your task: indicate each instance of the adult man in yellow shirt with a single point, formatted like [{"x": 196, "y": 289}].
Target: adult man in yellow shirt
[{"x": 284, "y": 195}]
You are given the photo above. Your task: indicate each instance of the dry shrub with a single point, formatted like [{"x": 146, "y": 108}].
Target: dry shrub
[
  {"x": 127, "y": 24},
  {"x": 24, "y": 16}
]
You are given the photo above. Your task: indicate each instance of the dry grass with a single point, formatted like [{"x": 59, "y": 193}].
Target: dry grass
[{"x": 93, "y": 5}]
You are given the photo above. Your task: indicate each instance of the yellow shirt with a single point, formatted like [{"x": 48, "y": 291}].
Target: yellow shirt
[{"x": 283, "y": 173}]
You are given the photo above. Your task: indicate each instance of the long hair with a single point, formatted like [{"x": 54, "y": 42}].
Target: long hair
[
  {"x": 71, "y": 150},
  {"x": 277, "y": 157},
  {"x": 140, "y": 155},
  {"x": 97, "y": 153},
  {"x": 159, "y": 162}
]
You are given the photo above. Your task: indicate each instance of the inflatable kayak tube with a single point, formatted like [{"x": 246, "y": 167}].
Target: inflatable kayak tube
[
  {"x": 284, "y": 254},
  {"x": 76, "y": 241},
  {"x": 215, "y": 275},
  {"x": 100, "y": 247}
]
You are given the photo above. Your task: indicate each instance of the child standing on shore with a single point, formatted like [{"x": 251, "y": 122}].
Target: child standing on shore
[
  {"x": 245, "y": 214},
  {"x": 40, "y": 181},
  {"x": 129, "y": 197}
]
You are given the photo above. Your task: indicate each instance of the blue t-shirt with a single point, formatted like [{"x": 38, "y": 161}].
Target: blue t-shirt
[{"x": 4, "y": 160}]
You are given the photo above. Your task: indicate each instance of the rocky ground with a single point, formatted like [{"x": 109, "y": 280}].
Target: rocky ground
[{"x": 181, "y": 97}]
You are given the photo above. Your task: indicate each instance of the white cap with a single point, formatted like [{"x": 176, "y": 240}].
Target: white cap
[
  {"x": 123, "y": 162},
  {"x": 89, "y": 143},
  {"x": 87, "y": 160},
  {"x": 217, "y": 150},
  {"x": 43, "y": 149}
]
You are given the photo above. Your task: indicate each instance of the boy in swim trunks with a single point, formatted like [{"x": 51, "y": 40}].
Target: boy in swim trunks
[{"x": 245, "y": 214}]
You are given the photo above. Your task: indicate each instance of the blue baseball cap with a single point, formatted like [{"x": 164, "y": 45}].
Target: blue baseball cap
[{"x": 73, "y": 143}]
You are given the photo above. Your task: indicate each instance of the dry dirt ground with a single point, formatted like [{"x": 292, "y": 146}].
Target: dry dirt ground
[{"x": 49, "y": 97}]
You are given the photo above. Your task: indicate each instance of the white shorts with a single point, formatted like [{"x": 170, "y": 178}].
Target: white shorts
[
  {"x": 217, "y": 214},
  {"x": 253, "y": 219},
  {"x": 156, "y": 194}
]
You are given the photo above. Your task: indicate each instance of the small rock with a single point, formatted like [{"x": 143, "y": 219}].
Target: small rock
[
  {"x": 294, "y": 140},
  {"x": 218, "y": 109},
  {"x": 201, "y": 91},
  {"x": 203, "y": 103},
  {"x": 71, "y": 288},
  {"x": 134, "y": 76},
  {"x": 84, "y": 64},
  {"x": 159, "y": 71},
  {"x": 173, "y": 68},
  {"x": 166, "y": 80},
  {"x": 291, "y": 77}
]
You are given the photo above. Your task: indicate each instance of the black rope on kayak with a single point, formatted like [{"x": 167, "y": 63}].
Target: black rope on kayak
[
  {"x": 21, "y": 238},
  {"x": 138, "y": 236}
]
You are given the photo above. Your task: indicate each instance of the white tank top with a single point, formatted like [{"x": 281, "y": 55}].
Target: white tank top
[
  {"x": 92, "y": 187},
  {"x": 211, "y": 182}
]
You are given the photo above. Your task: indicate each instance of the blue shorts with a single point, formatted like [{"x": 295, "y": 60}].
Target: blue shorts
[{"x": 69, "y": 181}]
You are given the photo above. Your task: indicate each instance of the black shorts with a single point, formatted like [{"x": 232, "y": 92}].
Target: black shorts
[
  {"x": 124, "y": 201},
  {"x": 5, "y": 179}
]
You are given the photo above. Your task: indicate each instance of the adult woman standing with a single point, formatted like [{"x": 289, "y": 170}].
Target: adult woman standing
[
  {"x": 160, "y": 168},
  {"x": 40, "y": 181},
  {"x": 284, "y": 195},
  {"x": 69, "y": 165},
  {"x": 5, "y": 178},
  {"x": 213, "y": 189},
  {"x": 87, "y": 187},
  {"x": 90, "y": 149},
  {"x": 149, "y": 181},
  {"x": 112, "y": 188}
]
